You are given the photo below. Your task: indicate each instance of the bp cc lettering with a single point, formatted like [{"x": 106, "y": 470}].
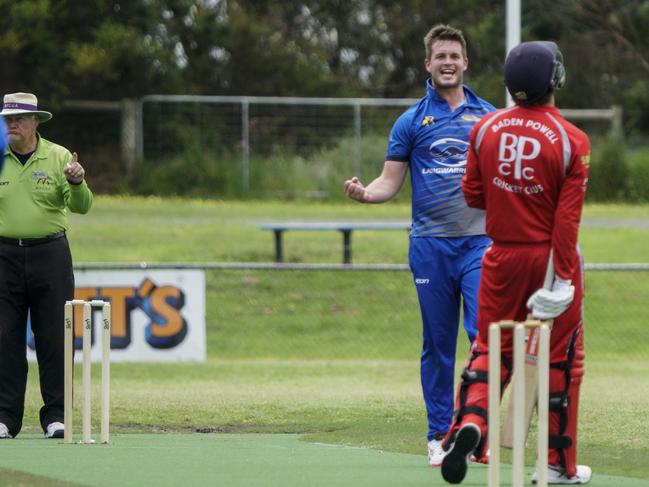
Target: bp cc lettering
[{"x": 513, "y": 151}]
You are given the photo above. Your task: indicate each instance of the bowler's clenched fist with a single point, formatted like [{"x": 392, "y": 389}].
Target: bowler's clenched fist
[
  {"x": 74, "y": 171},
  {"x": 356, "y": 191}
]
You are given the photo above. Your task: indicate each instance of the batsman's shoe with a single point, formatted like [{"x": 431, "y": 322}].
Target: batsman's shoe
[
  {"x": 4, "y": 431},
  {"x": 557, "y": 475},
  {"x": 55, "y": 430},
  {"x": 456, "y": 461},
  {"x": 435, "y": 451}
]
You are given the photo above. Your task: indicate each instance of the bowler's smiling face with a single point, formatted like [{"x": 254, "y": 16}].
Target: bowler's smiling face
[{"x": 447, "y": 64}]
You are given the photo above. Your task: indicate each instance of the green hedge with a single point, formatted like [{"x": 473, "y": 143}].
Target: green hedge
[
  {"x": 638, "y": 180},
  {"x": 617, "y": 173},
  {"x": 203, "y": 172}
]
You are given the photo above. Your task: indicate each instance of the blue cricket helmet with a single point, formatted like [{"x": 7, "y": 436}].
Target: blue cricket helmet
[{"x": 532, "y": 69}]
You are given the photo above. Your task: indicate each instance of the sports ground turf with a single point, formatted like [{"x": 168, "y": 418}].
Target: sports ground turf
[
  {"x": 232, "y": 460},
  {"x": 326, "y": 356}
]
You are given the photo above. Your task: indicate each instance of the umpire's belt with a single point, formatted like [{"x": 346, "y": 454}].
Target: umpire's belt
[{"x": 28, "y": 242}]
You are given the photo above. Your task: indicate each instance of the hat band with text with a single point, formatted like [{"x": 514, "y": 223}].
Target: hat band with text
[{"x": 20, "y": 106}]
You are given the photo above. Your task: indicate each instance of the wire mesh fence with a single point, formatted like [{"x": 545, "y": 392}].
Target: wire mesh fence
[
  {"x": 304, "y": 138},
  {"x": 311, "y": 138},
  {"x": 278, "y": 146}
]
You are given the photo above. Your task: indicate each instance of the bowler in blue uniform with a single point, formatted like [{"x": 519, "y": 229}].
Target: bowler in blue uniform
[{"x": 447, "y": 239}]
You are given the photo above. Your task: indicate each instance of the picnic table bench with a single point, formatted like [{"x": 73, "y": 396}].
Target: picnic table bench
[{"x": 346, "y": 228}]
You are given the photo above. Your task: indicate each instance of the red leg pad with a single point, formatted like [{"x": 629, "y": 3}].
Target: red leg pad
[{"x": 567, "y": 457}]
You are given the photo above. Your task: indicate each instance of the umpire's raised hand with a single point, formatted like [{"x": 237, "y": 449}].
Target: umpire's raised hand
[{"x": 74, "y": 171}]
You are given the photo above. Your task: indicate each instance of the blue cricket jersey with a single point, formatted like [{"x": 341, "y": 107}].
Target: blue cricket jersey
[{"x": 435, "y": 142}]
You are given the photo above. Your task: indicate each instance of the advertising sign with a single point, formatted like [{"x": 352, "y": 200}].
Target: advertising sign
[{"x": 157, "y": 315}]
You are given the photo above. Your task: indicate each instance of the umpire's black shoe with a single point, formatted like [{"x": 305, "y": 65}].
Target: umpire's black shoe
[{"x": 456, "y": 461}]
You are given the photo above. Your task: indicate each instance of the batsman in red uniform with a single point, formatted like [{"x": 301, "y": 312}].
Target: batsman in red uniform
[{"x": 528, "y": 168}]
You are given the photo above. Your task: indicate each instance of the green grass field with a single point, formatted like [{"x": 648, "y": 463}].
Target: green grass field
[
  {"x": 333, "y": 356},
  {"x": 125, "y": 229}
]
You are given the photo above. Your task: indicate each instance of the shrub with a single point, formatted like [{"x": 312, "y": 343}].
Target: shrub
[
  {"x": 200, "y": 171},
  {"x": 193, "y": 173},
  {"x": 608, "y": 171},
  {"x": 638, "y": 180}
]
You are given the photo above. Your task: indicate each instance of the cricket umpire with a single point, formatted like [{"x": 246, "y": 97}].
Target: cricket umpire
[{"x": 39, "y": 183}]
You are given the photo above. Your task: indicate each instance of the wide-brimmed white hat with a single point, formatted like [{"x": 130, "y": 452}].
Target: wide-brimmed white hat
[{"x": 23, "y": 104}]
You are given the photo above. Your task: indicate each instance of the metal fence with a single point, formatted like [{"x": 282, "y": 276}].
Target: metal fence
[
  {"x": 242, "y": 127},
  {"x": 248, "y": 137}
]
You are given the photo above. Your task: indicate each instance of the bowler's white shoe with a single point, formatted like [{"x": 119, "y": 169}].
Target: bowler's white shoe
[
  {"x": 55, "y": 430},
  {"x": 4, "y": 431},
  {"x": 435, "y": 452},
  {"x": 557, "y": 475}
]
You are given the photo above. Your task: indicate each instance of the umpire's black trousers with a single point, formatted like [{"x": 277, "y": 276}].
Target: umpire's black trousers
[{"x": 36, "y": 278}]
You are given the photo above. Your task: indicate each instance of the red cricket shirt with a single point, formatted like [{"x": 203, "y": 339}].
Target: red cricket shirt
[{"x": 528, "y": 168}]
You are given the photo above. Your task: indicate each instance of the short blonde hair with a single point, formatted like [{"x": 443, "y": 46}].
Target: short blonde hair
[{"x": 443, "y": 32}]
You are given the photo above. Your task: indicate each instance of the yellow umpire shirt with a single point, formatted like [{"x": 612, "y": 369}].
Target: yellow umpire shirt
[{"x": 35, "y": 198}]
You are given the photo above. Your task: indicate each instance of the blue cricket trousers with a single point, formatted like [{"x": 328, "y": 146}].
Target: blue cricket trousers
[{"x": 446, "y": 272}]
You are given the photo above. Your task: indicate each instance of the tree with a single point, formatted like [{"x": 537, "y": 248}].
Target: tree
[
  {"x": 605, "y": 47},
  {"x": 110, "y": 49}
]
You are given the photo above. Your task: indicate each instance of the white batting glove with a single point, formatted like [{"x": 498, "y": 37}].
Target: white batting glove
[{"x": 546, "y": 304}]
